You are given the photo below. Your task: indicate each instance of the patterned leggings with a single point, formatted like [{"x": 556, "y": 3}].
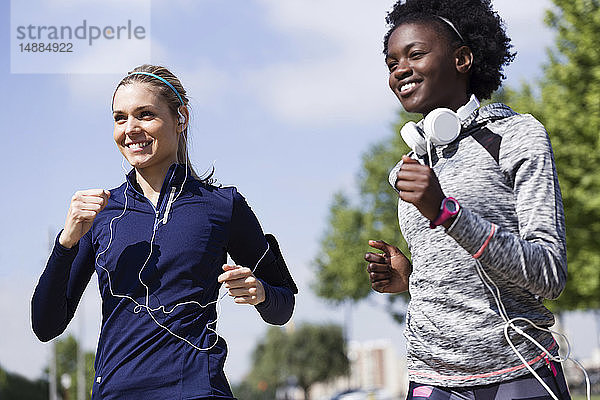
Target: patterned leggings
[{"x": 524, "y": 388}]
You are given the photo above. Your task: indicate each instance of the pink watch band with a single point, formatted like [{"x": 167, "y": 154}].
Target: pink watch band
[{"x": 448, "y": 209}]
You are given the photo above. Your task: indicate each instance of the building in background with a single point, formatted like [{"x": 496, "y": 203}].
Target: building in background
[
  {"x": 377, "y": 372},
  {"x": 375, "y": 365}
]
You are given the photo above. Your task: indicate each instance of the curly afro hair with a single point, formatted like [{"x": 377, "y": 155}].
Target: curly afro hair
[{"x": 481, "y": 28}]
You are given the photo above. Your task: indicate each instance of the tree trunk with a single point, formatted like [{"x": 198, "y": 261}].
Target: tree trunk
[{"x": 306, "y": 390}]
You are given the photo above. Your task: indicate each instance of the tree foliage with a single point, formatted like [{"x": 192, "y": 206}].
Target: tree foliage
[
  {"x": 16, "y": 387},
  {"x": 340, "y": 266},
  {"x": 13, "y": 386},
  {"x": 338, "y": 261},
  {"x": 304, "y": 355},
  {"x": 66, "y": 366},
  {"x": 569, "y": 108},
  {"x": 566, "y": 101}
]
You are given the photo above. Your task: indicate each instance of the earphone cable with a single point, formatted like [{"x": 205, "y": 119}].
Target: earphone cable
[
  {"x": 509, "y": 323},
  {"x": 211, "y": 325}
]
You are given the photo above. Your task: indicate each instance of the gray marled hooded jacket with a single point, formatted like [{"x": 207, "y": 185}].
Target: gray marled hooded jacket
[{"x": 501, "y": 170}]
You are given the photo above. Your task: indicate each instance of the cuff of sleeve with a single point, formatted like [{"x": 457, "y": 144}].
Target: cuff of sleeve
[
  {"x": 456, "y": 218},
  {"x": 469, "y": 230},
  {"x": 267, "y": 302},
  {"x": 63, "y": 251},
  {"x": 393, "y": 176}
]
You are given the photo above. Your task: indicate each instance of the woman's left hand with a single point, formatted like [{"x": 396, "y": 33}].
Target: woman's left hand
[{"x": 242, "y": 285}]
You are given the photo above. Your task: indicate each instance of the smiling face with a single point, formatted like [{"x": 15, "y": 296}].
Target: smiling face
[
  {"x": 425, "y": 72},
  {"x": 145, "y": 128}
]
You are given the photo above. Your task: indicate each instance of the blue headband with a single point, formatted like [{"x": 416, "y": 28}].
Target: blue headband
[{"x": 162, "y": 80}]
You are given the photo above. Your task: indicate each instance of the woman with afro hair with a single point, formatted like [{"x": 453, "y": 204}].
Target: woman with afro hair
[{"x": 480, "y": 208}]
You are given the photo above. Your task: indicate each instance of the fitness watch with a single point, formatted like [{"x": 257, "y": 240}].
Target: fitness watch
[{"x": 448, "y": 209}]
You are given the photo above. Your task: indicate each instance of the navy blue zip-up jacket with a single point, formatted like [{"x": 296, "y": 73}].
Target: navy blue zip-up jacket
[{"x": 142, "y": 280}]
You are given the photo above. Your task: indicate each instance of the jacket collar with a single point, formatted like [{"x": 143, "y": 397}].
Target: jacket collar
[
  {"x": 174, "y": 178},
  {"x": 486, "y": 114}
]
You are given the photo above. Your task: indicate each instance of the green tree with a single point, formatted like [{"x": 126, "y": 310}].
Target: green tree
[
  {"x": 16, "y": 387},
  {"x": 66, "y": 368},
  {"x": 567, "y": 102},
  {"x": 569, "y": 108},
  {"x": 304, "y": 355},
  {"x": 254, "y": 390},
  {"x": 338, "y": 262},
  {"x": 340, "y": 268}
]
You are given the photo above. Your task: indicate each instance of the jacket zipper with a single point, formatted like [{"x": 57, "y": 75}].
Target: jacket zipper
[{"x": 169, "y": 203}]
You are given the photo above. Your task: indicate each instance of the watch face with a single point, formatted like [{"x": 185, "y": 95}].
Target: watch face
[{"x": 450, "y": 206}]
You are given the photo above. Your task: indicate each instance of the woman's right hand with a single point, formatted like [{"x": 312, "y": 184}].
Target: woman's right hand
[
  {"x": 85, "y": 205},
  {"x": 388, "y": 272}
]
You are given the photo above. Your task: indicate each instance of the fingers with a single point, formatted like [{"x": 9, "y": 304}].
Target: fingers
[
  {"x": 236, "y": 277},
  {"x": 411, "y": 169},
  {"x": 415, "y": 179},
  {"x": 375, "y": 277},
  {"x": 83, "y": 209},
  {"x": 388, "y": 249},
  {"x": 233, "y": 272},
  {"x": 245, "y": 300},
  {"x": 417, "y": 184},
  {"x": 378, "y": 244},
  {"x": 90, "y": 200},
  {"x": 375, "y": 258},
  {"x": 407, "y": 160},
  {"x": 227, "y": 267},
  {"x": 242, "y": 285},
  {"x": 380, "y": 286},
  {"x": 380, "y": 276},
  {"x": 250, "y": 291},
  {"x": 378, "y": 268},
  {"x": 93, "y": 193},
  {"x": 86, "y": 204}
]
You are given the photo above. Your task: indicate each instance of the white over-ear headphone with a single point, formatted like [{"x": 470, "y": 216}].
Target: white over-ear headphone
[{"x": 440, "y": 127}]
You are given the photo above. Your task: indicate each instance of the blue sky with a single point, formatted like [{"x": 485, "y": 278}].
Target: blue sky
[{"x": 286, "y": 97}]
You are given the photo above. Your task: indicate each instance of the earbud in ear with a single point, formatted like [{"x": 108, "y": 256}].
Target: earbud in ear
[{"x": 181, "y": 118}]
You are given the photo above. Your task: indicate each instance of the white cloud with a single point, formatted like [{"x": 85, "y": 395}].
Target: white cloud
[
  {"x": 97, "y": 88},
  {"x": 347, "y": 80},
  {"x": 106, "y": 57},
  {"x": 103, "y": 35}
]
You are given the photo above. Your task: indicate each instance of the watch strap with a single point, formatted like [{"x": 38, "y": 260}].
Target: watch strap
[{"x": 445, "y": 213}]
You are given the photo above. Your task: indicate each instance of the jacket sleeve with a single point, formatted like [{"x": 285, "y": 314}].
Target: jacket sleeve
[
  {"x": 535, "y": 257},
  {"x": 60, "y": 287},
  {"x": 248, "y": 247}
]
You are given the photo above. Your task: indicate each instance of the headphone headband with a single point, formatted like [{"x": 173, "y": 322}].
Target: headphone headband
[
  {"x": 447, "y": 21},
  {"x": 163, "y": 80}
]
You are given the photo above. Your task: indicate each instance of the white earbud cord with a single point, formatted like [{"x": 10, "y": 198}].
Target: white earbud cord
[
  {"x": 509, "y": 323},
  {"x": 428, "y": 143},
  {"x": 211, "y": 326}
]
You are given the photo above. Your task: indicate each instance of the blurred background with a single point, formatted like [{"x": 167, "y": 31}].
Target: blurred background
[{"x": 289, "y": 103}]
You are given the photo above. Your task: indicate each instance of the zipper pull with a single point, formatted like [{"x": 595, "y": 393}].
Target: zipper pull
[{"x": 168, "y": 208}]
